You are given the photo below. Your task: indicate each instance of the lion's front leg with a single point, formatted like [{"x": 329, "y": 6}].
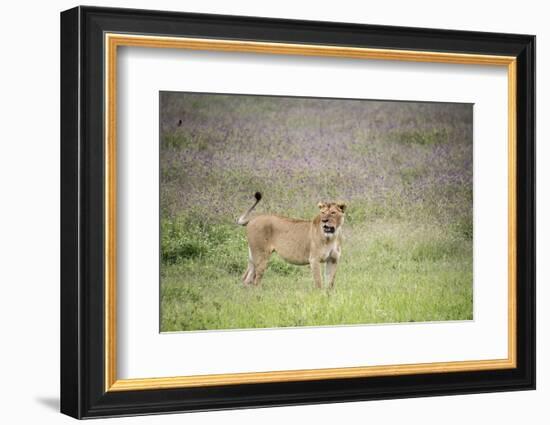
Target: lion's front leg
[
  {"x": 316, "y": 270},
  {"x": 330, "y": 271}
]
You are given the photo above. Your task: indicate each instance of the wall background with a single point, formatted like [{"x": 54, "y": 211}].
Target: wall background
[{"x": 29, "y": 224}]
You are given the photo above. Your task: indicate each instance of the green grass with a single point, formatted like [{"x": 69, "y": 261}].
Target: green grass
[
  {"x": 431, "y": 137},
  {"x": 389, "y": 272}
]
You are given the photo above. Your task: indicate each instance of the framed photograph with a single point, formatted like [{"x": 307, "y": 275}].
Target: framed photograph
[{"x": 261, "y": 212}]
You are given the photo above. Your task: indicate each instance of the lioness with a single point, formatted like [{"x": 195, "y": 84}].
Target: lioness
[{"x": 299, "y": 242}]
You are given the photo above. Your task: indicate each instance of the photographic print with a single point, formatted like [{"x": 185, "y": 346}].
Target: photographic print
[
  {"x": 338, "y": 215},
  {"x": 289, "y": 212}
]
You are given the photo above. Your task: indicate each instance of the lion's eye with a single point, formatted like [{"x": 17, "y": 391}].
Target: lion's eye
[{"x": 332, "y": 213}]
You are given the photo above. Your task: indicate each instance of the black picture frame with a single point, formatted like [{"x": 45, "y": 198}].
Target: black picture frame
[{"x": 83, "y": 392}]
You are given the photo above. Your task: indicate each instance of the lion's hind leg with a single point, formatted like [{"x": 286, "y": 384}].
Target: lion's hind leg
[
  {"x": 260, "y": 260},
  {"x": 249, "y": 274}
]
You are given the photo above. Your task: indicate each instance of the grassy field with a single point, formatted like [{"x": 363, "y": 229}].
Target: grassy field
[{"x": 404, "y": 169}]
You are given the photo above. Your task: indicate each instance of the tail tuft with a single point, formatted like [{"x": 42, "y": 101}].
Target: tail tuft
[{"x": 245, "y": 218}]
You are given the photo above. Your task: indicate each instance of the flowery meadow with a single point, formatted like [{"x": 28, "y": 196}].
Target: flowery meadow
[{"x": 403, "y": 168}]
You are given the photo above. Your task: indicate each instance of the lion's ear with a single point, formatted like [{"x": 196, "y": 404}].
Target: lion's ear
[
  {"x": 341, "y": 205},
  {"x": 322, "y": 205}
]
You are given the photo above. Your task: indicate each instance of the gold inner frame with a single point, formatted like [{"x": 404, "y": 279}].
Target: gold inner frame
[{"x": 113, "y": 41}]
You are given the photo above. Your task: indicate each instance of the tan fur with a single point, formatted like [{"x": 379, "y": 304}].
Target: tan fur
[{"x": 300, "y": 242}]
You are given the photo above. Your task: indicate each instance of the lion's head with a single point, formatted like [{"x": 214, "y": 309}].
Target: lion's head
[{"x": 331, "y": 217}]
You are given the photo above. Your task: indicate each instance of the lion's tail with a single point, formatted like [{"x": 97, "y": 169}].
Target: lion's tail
[{"x": 245, "y": 218}]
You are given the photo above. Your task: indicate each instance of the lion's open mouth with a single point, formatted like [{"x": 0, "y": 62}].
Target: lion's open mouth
[{"x": 328, "y": 229}]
